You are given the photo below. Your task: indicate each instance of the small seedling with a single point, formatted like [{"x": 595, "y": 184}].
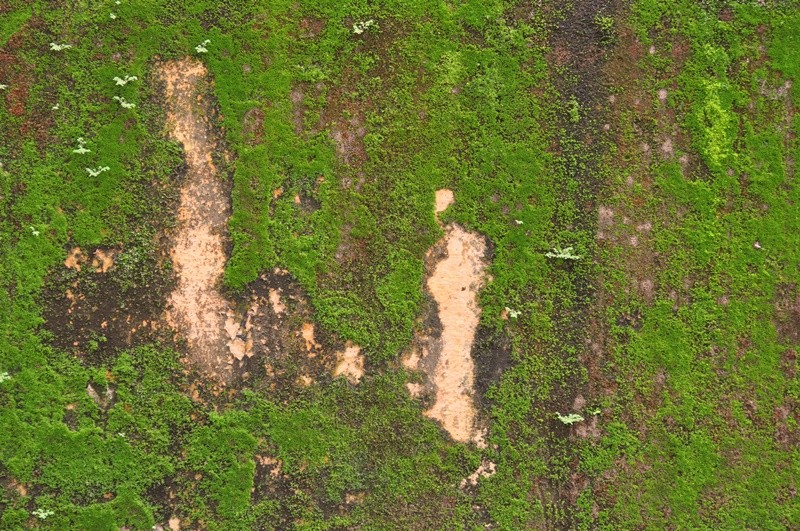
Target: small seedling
[
  {"x": 518, "y": 221},
  {"x": 55, "y": 107},
  {"x": 3, "y": 87},
  {"x": 34, "y": 231},
  {"x": 58, "y": 47},
  {"x": 513, "y": 313},
  {"x": 124, "y": 103},
  {"x": 81, "y": 150},
  {"x": 97, "y": 171},
  {"x": 201, "y": 48},
  {"x": 564, "y": 254},
  {"x": 361, "y": 27},
  {"x": 4, "y": 377},
  {"x": 570, "y": 419},
  {"x": 43, "y": 514},
  {"x": 124, "y": 81},
  {"x": 113, "y": 16}
]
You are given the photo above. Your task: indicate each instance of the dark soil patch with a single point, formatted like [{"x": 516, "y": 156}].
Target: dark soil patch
[
  {"x": 282, "y": 363},
  {"x": 93, "y": 315},
  {"x": 787, "y": 313},
  {"x": 491, "y": 353}
]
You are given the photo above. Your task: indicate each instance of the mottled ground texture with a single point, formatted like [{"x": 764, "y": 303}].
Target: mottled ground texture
[{"x": 473, "y": 264}]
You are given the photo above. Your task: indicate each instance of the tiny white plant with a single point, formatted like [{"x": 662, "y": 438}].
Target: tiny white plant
[
  {"x": 201, "y": 48},
  {"x": 513, "y": 313},
  {"x": 565, "y": 254},
  {"x": 361, "y": 27},
  {"x": 34, "y": 231},
  {"x": 570, "y": 419},
  {"x": 118, "y": 2},
  {"x": 81, "y": 150},
  {"x": 97, "y": 171},
  {"x": 113, "y": 16},
  {"x": 4, "y": 377},
  {"x": 125, "y": 103},
  {"x": 122, "y": 81},
  {"x": 43, "y": 514},
  {"x": 56, "y": 107},
  {"x": 3, "y": 87},
  {"x": 58, "y": 47},
  {"x": 518, "y": 222}
]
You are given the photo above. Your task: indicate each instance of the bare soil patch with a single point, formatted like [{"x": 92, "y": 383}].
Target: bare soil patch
[
  {"x": 456, "y": 272},
  {"x": 92, "y": 312},
  {"x": 197, "y": 310},
  {"x": 350, "y": 363}
]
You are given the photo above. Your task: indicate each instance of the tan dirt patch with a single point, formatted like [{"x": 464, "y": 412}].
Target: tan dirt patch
[
  {"x": 75, "y": 258},
  {"x": 275, "y": 301},
  {"x": 485, "y": 470},
  {"x": 308, "y": 335},
  {"x": 454, "y": 281},
  {"x": 350, "y": 363},
  {"x": 197, "y": 310},
  {"x": 444, "y": 198},
  {"x": 103, "y": 260}
]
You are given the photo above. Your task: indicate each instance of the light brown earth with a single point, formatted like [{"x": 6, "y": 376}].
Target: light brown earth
[
  {"x": 350, "y": 363},
  {"x": 196, "y": 308},
  {"x": 457, "y": 273}
]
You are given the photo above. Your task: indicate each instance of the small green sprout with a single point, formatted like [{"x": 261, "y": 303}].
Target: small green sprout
[
  {"x": 570, "y": 419},
  {"x": 113, "y": 16},
  {"x": 81, "y": 150},
  {"x": 361, "y": 27},
  {"x": 518, "y": 221},
  {"x": 43, "y": 514},
  {"x": 4, "y": 377},
  {"x": 97, "y": 171},
  {"x": 124, "y": 103},
  {"x": 513, "y": 313},
  {"x": 201, "y": 48},
  {"x": 121, "y": 82},
  {"x": 34, "y": 231},
  {"x": 595, "y": 411},
  {"x": 59, "y": 47},
  {"x": 564, "y": 254},
  {"x": 55, "y": 107}
]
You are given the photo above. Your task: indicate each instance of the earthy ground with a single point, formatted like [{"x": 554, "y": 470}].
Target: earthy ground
[{"x": 421, "y": 265}]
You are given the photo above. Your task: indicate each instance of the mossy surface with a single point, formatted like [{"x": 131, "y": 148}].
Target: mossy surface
[{"x": 657, "y": 139}]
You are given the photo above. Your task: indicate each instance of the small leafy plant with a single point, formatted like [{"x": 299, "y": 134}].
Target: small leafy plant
[
  {"x": 125, "y": 80},
  {"x": 3, "y": 87},
  {"x": 59, "y": 47},
  {"x": 97, "y": 171},
  {"x": 4, "y": 377},
  {"x": 202, "y": 47},
  {"x": 125, "y": 104},
  {"x": 512, "y": 312},
  {"x": 43, "y": 514},
  {"x": 81, "y": 150},
  {"x": 361, "y": 27},
  {"x": 569, "y": 419},
  {"x": 564, "y": 254}
]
